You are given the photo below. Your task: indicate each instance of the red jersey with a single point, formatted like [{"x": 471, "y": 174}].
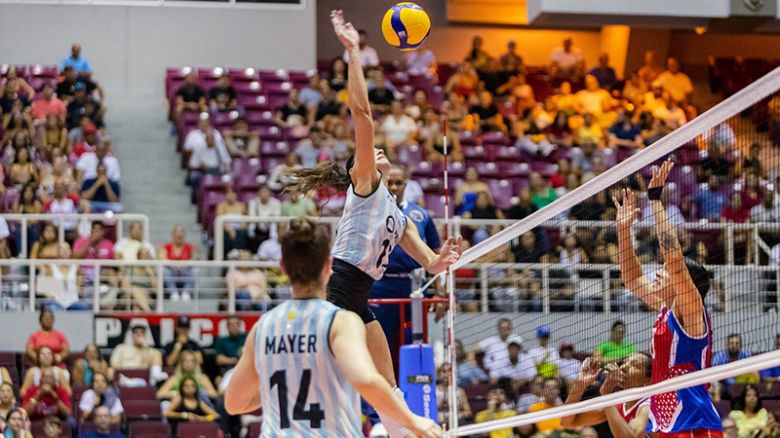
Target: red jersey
[{"x": 629, "y": 414}]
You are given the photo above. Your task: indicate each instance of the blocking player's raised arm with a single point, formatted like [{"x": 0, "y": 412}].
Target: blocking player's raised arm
[{"x": 242, "y": 395}]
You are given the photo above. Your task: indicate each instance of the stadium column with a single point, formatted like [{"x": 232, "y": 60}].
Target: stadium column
[{"x": 614, "y": 42}]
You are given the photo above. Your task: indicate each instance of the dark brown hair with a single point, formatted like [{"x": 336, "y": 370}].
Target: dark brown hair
[
  {"x": 305, "y": 249},
  {"x": 325, "y": 173}
]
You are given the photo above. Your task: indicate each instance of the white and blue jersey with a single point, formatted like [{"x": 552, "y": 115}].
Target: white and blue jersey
[
  {"x": 369, "y": 229},
  {"x": 302, "y": 388},
  {"x": 402, "y": 263}
]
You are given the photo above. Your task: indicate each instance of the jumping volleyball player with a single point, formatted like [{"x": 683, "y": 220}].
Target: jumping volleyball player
[
  {"x": 372, "y": 224},
  {"x": 682, "y": 334},
  {"x": 308, "y": 357}
]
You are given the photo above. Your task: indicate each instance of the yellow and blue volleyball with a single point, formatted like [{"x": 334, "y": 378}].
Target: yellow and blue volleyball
[{"x": 406, "y": 26}]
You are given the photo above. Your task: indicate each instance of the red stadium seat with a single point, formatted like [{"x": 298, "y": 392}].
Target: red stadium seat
[
  {"x": 198, "y": 430},
  {"x": 143, "y": 393},
  {"x": 149, "y": 429},
  {"x": 142, "y": 410}
]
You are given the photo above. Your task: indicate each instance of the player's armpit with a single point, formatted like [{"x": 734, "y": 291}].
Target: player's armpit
[{"x": 238, "y": 400}]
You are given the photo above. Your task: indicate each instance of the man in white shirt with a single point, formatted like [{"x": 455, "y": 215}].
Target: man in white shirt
[
  {"x": 568, "y": 366},
  {"x": 368, "y": 56},
  {"x": 87, "y": 164},
  {"x": 264, "y": 206},
  {"x": 420, "y": 62},
  {"x": 209, "y": 157},
  {"x": 768, "y": 210},
  {"x": 675, "y": 82},
  {"x": 593, "y": 99},
  {"x": 566, "y": 61},
  {"x": 544, "y": 353},
  {"x": 670, "y": 112},
  {"x": 516, "y": 366},
  {"x": 495, "y": 348}
]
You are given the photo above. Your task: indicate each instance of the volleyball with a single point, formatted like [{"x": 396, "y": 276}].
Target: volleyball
[{"x": 406, "y": 26}]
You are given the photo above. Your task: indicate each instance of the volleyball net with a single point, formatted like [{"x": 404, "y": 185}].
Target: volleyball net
[{"x": 535, "y": 298}]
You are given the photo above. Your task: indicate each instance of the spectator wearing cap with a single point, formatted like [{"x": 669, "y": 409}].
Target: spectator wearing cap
[
  {"x": 81, "y": 105},
  {"x": 230, "y": 347},
  {"x": 135, "y": 352},
  {"x": 496, "y": 348},
  {"x": 88, "y": 142},
  {"x": 516, "y": 365},
  {"x": 544, "y": 356},
  {"x": 50, "y": 104},
  {"x": 468, "y": 372},
  {"x": 104, "y": 427},
  {"x": 617, "y": 347},
  {"x": 78, "y": 63},
  {"x": 568, "y": 366},
  {"x": 182, "y": 342}
]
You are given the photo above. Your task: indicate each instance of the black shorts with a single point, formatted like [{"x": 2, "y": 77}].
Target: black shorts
[{"x": 349, "y": 288}]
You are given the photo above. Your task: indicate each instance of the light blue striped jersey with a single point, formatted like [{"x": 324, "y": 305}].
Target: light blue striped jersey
[
  {"x": 369, "y": 229},
  {"x": 302, "y": 388}
]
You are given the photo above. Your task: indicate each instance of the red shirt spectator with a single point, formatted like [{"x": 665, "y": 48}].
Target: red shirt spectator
[
  {"x": 735, "y": 211},
  {"x": 89, "y": 131},
  {"x": 47, "y": 336},
  {"x": 46, "y": 399},
  {"x": 50, "y": 104}
]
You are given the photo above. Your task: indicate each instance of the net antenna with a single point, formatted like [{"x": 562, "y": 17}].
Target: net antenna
[
  {"x": 752, "y": 94},
  {"x": 735, "y": 104}
]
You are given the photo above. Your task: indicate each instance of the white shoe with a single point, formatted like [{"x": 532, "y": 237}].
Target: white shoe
[
  {"x": 175, "y": 296},
  {"x": 185, "y": 296},
  {"x": 395, "y": 429},
  {"x": 378, "y": 431}
]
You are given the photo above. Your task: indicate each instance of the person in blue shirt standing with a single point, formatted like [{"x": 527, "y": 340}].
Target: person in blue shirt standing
[
  {"x": 80, "y": 64},
  {"x": 398, "y": 279}
]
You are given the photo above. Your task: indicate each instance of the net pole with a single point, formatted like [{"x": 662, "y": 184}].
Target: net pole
[
  {"x": 452, "y": 387},
  {"x": 735, "y": 104},
  {"x": 752, "y": 364}
]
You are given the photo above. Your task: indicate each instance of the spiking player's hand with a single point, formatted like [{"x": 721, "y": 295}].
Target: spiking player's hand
[
  {"x": 628, "y": 212},
  {"x": 345, "y": 31},
  {"x": 449, "y": 254}
]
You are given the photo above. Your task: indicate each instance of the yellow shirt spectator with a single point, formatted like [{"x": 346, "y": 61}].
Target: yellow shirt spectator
[
  {"x": 486, "y": 415},
  {"x": 545, "y": 426}
]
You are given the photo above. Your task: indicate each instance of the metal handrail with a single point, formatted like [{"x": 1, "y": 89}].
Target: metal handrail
[
  {"x": 456, "y": 224},
  {"x": 25, "y": 219},
  {"x": 483, "y": 282}
]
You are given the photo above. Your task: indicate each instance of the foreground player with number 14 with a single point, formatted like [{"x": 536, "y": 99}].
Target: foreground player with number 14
[
  {"x": 682, "y": 334},
  {"x": 309, "y": 353}
]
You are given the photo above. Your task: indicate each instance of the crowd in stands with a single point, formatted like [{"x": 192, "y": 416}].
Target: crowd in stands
[
  {"x": 503, "y": 376},
  {"x": 135, "y": 391}
]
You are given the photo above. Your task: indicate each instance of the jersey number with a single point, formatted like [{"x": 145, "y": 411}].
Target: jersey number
[
  {"x": 386, "y": 250},
  {"x": 315, "y": 415}
]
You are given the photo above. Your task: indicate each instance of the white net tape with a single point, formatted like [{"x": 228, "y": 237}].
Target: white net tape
[{"x": 753, "y": 364}]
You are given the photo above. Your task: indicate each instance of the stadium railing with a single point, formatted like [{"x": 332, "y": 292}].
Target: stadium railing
[
  {"x": 24, "y": 221},
  {"x": 455, "y": 227}
]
